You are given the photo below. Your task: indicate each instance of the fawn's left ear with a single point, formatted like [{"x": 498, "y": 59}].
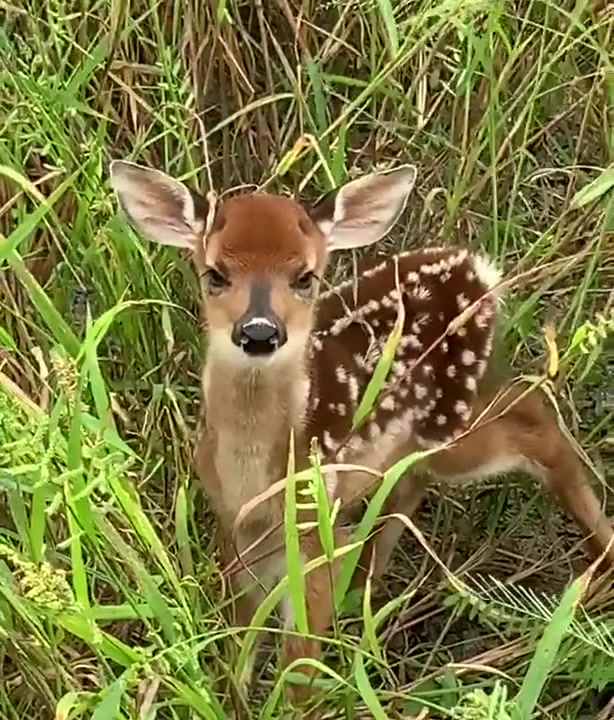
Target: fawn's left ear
[
  {"x": 362, "y": 211},
  {"x": 161, "y": 208}
]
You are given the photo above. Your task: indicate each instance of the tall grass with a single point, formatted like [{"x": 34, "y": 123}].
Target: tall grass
[{"x": 110, "y": 591}]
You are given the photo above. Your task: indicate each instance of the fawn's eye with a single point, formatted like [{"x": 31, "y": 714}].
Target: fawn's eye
[
  {"x": 304, "y": 282},
  {"x": 215, "y": 281}
]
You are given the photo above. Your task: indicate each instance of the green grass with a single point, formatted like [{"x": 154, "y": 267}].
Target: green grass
[{"x": 110, "y": 592}]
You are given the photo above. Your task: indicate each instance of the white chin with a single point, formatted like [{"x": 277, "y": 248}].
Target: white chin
[{"x": 221, "y": 347}]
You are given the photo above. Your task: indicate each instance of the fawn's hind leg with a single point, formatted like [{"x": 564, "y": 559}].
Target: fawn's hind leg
[{"x": 527, "y": 437}]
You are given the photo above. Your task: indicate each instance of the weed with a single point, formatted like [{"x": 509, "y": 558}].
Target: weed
[{"x": 110, "y": 593}]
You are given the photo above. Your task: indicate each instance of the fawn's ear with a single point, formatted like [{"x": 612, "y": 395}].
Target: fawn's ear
[
  {"x": 362, "y": 211},
  {"x": 158, "y": 206}
]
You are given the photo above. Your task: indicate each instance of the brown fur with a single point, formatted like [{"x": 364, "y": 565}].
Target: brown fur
[
  {"x": 257, "y": 408},
  {"x": 440, "y": 380}
]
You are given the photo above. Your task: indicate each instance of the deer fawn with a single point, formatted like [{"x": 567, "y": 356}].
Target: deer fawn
[{"x": 281, "y": 357}]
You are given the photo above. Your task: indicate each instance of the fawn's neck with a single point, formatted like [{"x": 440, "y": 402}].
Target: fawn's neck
[{"x": 249, "y": 415}]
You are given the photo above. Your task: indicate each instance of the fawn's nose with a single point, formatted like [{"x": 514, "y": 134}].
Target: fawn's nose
[{"x": 258, "y": 336}]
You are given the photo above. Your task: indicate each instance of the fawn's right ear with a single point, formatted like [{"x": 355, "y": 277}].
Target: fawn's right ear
[{"x": 157, "y": 205}]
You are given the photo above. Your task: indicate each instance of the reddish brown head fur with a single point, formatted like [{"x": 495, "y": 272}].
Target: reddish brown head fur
[
  {"x": 262, "y": 259},
  {"x": 264, "y": 234}
]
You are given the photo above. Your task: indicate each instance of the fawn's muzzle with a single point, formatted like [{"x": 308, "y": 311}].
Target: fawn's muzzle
[
  {"x": 259, "y": 331},
  {"x": 258, "y": 336}
]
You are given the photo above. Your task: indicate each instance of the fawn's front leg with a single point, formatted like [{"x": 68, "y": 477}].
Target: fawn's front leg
[
  {"x": 319, "y": 605},
  {"x": 239, "y": 614}
]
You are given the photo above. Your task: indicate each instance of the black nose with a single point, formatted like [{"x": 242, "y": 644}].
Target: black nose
[{"x": 257, "y": 336}]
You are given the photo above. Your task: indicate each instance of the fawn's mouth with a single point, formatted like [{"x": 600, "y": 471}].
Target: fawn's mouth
[{"x": 259, "y": 348}]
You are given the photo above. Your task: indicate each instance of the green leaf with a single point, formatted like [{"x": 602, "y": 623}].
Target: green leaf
[
  {"x": 30, "y": 222},
  {"x": 392, "y": 34},
  {"x": 367, "y": 693},
  {"x": 294, "y": 560},
  {"x": 595, "y": 189},
  {"x": 108, "y": 708},
  {"x": 373, "y": 511},
  {"x": 544, "y": 658},
  {"x": 378, "y": 378},
  {"x": 46, "y": 309}
]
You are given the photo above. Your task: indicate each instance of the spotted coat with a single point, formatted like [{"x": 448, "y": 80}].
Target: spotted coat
[{"x": 434, "y": 377}]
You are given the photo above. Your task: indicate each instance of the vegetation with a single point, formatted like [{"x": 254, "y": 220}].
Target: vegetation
[{"x": 110, "y": 592}]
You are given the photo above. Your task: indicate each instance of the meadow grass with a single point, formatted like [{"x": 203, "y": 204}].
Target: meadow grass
[{"x": 110, "y": 591}]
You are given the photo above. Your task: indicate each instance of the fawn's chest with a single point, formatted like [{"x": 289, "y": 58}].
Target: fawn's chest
[{"x": 248, "y": 430}]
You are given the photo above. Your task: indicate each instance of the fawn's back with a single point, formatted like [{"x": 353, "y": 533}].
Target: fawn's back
[{"x": 437, "y": 367}]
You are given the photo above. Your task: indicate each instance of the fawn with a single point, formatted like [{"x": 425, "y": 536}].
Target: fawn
[{"x": 281, "y": 356}]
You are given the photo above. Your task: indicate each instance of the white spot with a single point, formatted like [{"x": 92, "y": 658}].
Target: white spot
[
  {"x": 353, "y": 388},
  {"x": 439, "y": 393},
  {"x": 420, "y": 391},
  {"x": 360, "y": 361},
  {"x": 485, "y": 271},
  {"x": 481, "y": 319},
  {"x": 374, "y": 431},
  {"x": 444, "y": 346},
  {"x": 461, "y": 408},
  {"x": 468, "y": 357},
  {"x": 462, "y": 301},
  {"x": 327, "y": 441},
  {"x": 337, "y": 408},
  {"x": 410, "y": 341},
  {"x": 441, "y": 419},
  {"x": 398, "y": 368},
  {"x": 374, "y": 270},
  {"x": 445, "y": 264},
  {"x": 344, "y": 322},
  {"x": 422, "y": 413},
  {"x": 470, "y": 383},
  {"x": 387, "y": 403},
  {"x": 341, "y": 374},
  {"x": 420, "y": 293},
  {"x": 451, "y": 371},
  {"x": 462, "y": 331},
  {"x": 388, "y": 302}
]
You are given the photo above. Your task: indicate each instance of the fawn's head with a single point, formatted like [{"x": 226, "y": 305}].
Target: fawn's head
[{"x": 261, "y": 256}]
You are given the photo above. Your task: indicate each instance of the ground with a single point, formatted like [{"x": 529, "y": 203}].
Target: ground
[{"x": 506, "y": 109}]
